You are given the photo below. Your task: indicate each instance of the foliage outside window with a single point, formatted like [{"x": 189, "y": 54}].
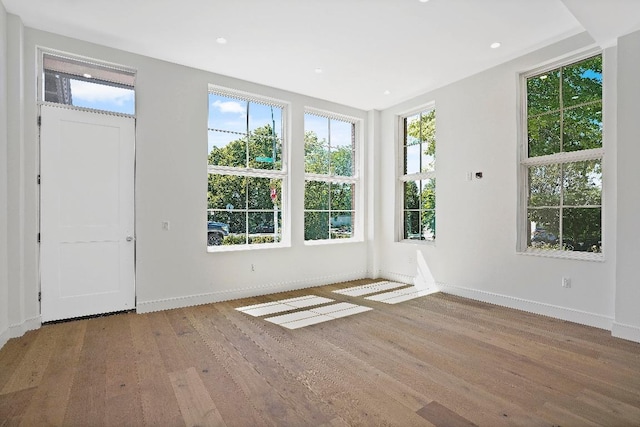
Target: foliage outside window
[
  {"x": 563, "y": 165},
  {"x": 419, "y": 175},
  {"x": 246, "y": 170},
  {"x": 330, "y": 179}
]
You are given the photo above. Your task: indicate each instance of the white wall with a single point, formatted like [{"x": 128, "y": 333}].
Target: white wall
[
  {"x": 173, "y": 267},
  {"x": 627, "y": 319},
  {"x": 4, "y": 282},
  {"x": 475, "y": 250}
]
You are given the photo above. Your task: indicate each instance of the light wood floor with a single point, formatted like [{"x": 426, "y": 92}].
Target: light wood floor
[{"x": 437, "y": 360}]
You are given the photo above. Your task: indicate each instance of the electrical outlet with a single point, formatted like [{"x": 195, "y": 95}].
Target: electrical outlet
[
  {"x": 166, "y": 225},
  {"x": 253, "y": 267},
  {"x": 566, "y": 282}
]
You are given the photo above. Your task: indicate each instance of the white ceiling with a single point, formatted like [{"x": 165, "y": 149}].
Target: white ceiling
[{"x": 364, "y": 47}]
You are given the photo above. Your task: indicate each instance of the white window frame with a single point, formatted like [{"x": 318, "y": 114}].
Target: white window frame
[
  {"x": 403, "y": 178},
  {"x": 282, "y": 174},
  {"x": 357, "y": 231},
  {"x": 524, "y": 162}
]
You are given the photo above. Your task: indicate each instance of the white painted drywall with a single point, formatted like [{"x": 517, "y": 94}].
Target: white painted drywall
[
  {"x": 475, "y": 250},
  {"x": 173, "y": 267},
  {"x": 4, "y": 280},
  {"x": 627, "y": 319}
]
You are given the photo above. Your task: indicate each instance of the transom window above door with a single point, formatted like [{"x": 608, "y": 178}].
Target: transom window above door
[{"x": 84, "y": 84}]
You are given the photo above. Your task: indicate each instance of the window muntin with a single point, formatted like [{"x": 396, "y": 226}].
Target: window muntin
[
  {"x": 331, "y": 180},
  {"x": 563, "y": 166},
  {"x": 419, "y": 175},
  {"x": 82, "y": 84},
  {"x": 246, "y": 169}
]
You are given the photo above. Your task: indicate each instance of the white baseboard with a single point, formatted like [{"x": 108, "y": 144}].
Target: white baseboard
[
  {"x": 4, "y": 337},
  {"x": 557, "y": 312},
  {"x": 226, "y": 295},
  {"x": 627, "y": 332}
]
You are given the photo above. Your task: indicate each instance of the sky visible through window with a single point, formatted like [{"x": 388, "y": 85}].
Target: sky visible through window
[
  {"x": 230, "y": 115},
  {"x": 102, "y": 97}
]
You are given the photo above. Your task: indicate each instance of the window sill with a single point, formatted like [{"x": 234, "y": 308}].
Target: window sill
[
  {"x": 331, "y": 241},
  {"x": 418, "y": 242},
  {"x": 237, "y": 248},
  {"x": 580, "y": 256}
]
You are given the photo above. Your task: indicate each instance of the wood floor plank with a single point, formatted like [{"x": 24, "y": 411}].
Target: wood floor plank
[
  {"x": 13, "y": 353},
  {"x": 123, "y": 404},
  {"x": 195, "y": 403},
  {"x": 31, "y": 368},
  {"x": 159, "y": 405},
  {"x": 441, "y": 416},
  {"x": 49, "y": 403},
  {"x": 87, "y": 398}
]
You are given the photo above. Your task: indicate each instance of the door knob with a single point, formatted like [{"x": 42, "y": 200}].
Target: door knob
[{"x": 129, "y": 238}]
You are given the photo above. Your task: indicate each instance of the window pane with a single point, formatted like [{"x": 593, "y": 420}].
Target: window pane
[
  {"x": 318, "y": 125},
  {"x": 412, "y": 158},
  {"x": 316, "y": 155},
  {"x": 99, "y": 96},
  {"x": 543, "y": 93},
  {"x": 412, "y": 195},
  {"x": 227, "y": 149},
  {"x": 259, "y": 193},
  {"x": 582, "y": 82},
  {"x": 237, "y": 221},
  {"x": 264, "y": 150},
  {"x": 341, "y": 224},
  {"x": 316, "y": 225},
  {"x": 342, "y": 161},
  {"x": 429, "y": 224},
  {"x": 341, "y": 197},
  {"x": 412, "y": 225},
  {"x": 544, "y": 228},
  {"x": 261, "y": 227},
  {"x": 583, "y": 127},
  {"x": 428, "y": 157},
  {"x": 581, "y": 229},
  {"x": 582, "y": 182},
  {"x": 544, "y": 185},
  {"x": 228, "y": 114},
  {"x": 544, "y": 134},
  {"x": 226, "y": 192},
  {"x": 83, "y": 84},
  {"x": 428, "y": 194},
  {"x": 316, "y": 195}
]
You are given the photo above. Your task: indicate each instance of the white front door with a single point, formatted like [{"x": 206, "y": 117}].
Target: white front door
[{"x": 86, "y": 213}]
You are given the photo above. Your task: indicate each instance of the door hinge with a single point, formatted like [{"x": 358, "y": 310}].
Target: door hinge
[
  {"x": 39, "y": 120},
  {"x": 38, "y": 179},
  {"x": 39, "y": 296},
  {"x": 38, "y": 237}
]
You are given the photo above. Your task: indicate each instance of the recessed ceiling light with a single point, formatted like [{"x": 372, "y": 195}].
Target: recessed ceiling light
[
  {"x": 221, "y": 40},
  {"x": 87, "y": 76},
  {"x": 387, "y": 92},
  {"x": 423, "y": 1},
  {"x": 495, "y": 45},
  {"x": 318, "y": 70}
]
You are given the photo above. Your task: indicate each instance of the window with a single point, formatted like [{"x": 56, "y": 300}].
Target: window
[
  {"x": 419, "y": 175},
  {"x": 246, "y": 169},
  {"x": 87, "y": 85},
  {"x": 562, "y": 158},
  {"x": 331, "y": 181}
]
